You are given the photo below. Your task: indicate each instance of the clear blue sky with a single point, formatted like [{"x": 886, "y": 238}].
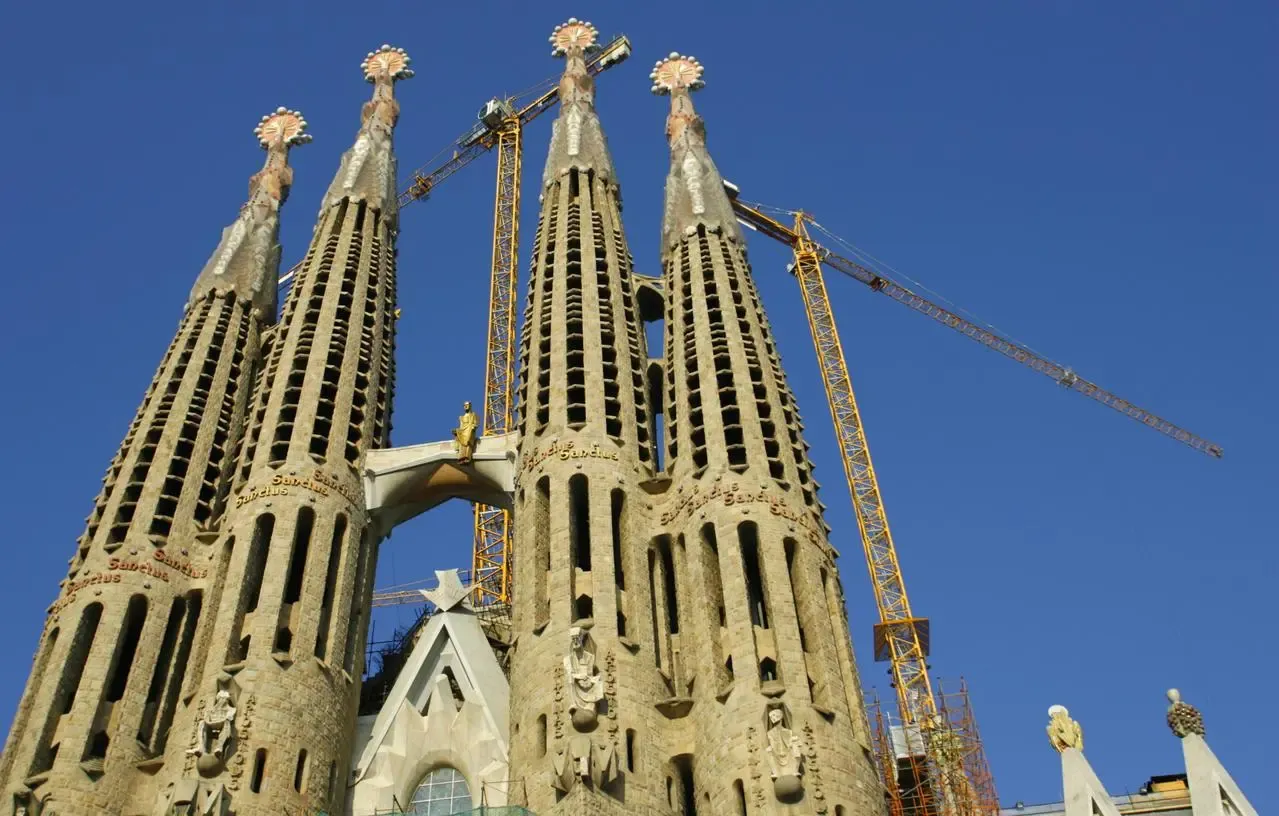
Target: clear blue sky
[{"x": 1098, "y": 179}]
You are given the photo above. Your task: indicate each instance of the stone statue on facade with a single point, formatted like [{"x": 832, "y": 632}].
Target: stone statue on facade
[
  {"x": 216, "y": 728},
  {"x": 572, "y": 763},
  {"x": 1063, "y": 732},
  {"x": 582, "y": 760},
  {"x": 191, "y": 797},
  {"x": 465, "y": 433},
  {"x": 585, "y": 683},
  {"x": 785, "y": 757},
  {"x": 1183, "y": 718}
]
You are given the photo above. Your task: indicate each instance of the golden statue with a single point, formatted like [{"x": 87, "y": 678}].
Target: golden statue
[
  {"x": 1064, "y": 732},
  {"x": 465, "y": 433}
]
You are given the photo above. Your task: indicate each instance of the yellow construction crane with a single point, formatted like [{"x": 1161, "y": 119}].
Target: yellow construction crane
[
  {"x": 500, "y": 124},
  {"x": 952, "y": 776}
]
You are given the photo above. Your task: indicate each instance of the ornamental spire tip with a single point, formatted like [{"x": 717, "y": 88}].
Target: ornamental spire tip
[
  {"x": 677, "y": 72},
  {"x": 390, "y": 63},
  {"x": 574, "y": 35},
  {"x": 1183, "y": 718},
  {"x": 282, "y": 127}
]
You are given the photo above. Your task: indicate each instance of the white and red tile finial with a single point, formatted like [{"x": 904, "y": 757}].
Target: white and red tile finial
[
  {"x": 281, "y": 128},
  {"x": 573, "y": 35},
  {"x": 386, "y": 62},
  {"x": 676, "y": 72}
]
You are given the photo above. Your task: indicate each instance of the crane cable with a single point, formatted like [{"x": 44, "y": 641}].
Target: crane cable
[{"x": 875, "y": 264}]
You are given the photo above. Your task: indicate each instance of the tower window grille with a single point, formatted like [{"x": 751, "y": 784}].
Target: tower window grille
[
  {"x": 608, "y": 334},
  {"x": 574, "y": 326},
  {"x": 547, "y": 307},
  {"x": 67, "y": 685}
]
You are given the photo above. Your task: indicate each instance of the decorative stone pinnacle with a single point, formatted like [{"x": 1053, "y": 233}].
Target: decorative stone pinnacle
[
  {"x": 573, "y": 35},
  {"x": 1063, "y": 732},
  {"x": 1183, "y": 718},
  {"x": 676, "y": 72},
  {"x": 282, "y": 128},
  {"x": 386, "y": 62}
]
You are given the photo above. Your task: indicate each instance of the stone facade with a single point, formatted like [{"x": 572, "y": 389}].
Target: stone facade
[
  {"x": 681, "y": 641},
  {"x": 111, "y": 674},
  {"x": 580, "y": 517},
  {"x": 288, "y": 635},
  {"x": 777, "y": 722}
]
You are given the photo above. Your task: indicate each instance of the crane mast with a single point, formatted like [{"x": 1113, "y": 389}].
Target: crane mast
[
  {"x": 491, "y": 553},
  {"x": 900, "y": 636},
  {"x": 940, "y": 784}
]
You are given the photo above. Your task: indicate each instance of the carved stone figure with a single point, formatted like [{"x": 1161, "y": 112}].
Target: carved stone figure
[
  {"x": 191, "y": 797},
  {"x": 572, "y": 763},
  {"x": 1183, "y": 718},
  {"x": 465, "y": 433},
  {"x": 216, "y": 729},
  {"x": 785, "y": 759},
  {"x": 585, "y": 684},
  {"x": 1063, "y": 732}
]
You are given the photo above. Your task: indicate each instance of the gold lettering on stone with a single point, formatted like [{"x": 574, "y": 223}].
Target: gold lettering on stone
[
  {"x": 731, "y": 494},
  {"x": 319, "y": 483},
  {"x": 565, "y": 451}
]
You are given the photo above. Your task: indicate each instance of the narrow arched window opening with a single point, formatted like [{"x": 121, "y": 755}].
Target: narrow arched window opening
[{"x": 259, "y": 771}]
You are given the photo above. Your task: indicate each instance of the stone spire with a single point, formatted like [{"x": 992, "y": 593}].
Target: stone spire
[
  {"x": 694, "y": 190},
  {"x": 247, "y": 259},
  {"x": 577, "y": 140},
  {"x": 1183, "y": 718},
  {"x": 367, "y": 171}
]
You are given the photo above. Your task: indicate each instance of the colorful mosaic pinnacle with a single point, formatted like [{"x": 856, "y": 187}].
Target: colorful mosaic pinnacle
[
  {"x": 283, "y": 127},
  {"x": 675, "y": 72},
  {"x": 575, "y": 34},
  {"x": 392, "y": 63}
]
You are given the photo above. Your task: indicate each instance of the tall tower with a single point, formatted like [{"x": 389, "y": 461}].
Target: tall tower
[
  {"x": 776, "y": 721},
  {"x": 111, "y": 666},
  {"x": 583, "y": 677},
  {"x": 272, "y": 720}
]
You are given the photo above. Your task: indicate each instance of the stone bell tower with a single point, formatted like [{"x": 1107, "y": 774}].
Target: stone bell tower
[
  {"x": 271, "y": 725},
  {"x": 583, "y": 677},
  {"x": 111, "y": 672},
  {"x": 775, "y": 719}
]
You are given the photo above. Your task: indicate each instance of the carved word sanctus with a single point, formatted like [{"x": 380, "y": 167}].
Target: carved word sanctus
[
  {"x": 319, "y": 483},
  {"x": 565, "y": 451},
  {"x": 185, "y": 567},
  {"x": 138, "y": 566},
  {"x": 730, "y": 495},
  {"x": 75, "y": 586}
]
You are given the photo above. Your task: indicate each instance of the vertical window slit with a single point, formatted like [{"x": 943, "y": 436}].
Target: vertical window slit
[
  {"x": 748, "y": 535},
  {"x": 322, "y": 634},
  {"x": 259, "y": 771}
]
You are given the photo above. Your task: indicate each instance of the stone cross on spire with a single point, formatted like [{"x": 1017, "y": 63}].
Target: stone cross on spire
[
  {"x": 694, "y": 190},
  {"x": 577, "y": 140},
  {"x": 247, "y": 258},
  {"x": 367, "y": 172}
]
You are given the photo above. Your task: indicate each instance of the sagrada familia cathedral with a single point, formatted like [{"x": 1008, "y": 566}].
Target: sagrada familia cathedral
[{"x": 678, "y": 641}]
